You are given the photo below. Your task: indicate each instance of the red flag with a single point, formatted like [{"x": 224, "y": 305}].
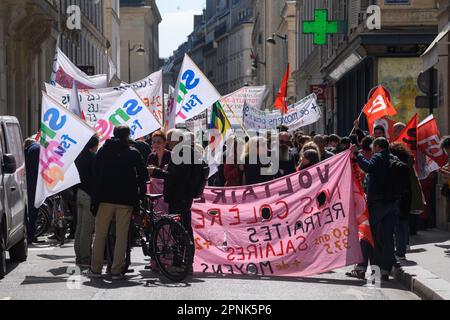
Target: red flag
[
  {"x": 428, "y": 137},
  {"x": 280, "y": 102},
  {"x": 360, "y": 206},
  {"x": 409, "y": 135},
  {"x": 379, "y": 106},
  {"x": 387, "y": 124}
]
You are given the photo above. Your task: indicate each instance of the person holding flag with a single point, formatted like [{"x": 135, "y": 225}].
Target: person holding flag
[{"x": 383, "y": 206}]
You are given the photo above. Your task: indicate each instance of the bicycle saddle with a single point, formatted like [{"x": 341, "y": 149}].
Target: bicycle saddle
[{"x": 153, "y": 197}]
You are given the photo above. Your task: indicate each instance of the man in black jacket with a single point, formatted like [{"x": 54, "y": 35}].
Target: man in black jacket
[
  {"x": 287, "y": 162},
  {"x": 32, "y": 150},
  {"x": 120, "y": 183},
  {"x": 85, "y": 218},
  {"x": 178, "y": 176},
  {"x": 383, "y": 210}
]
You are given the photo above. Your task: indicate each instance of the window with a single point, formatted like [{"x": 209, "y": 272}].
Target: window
[
  {"x": 14, "y": 142},
  {"x": 2, "y": 142}
]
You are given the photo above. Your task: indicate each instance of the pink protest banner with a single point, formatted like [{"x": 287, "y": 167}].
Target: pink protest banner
[
  {"x": 156, "y": 186},
  {"x": 300, "y": 225}
]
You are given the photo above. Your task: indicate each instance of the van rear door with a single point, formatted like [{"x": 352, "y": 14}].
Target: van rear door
[
  {"x": 4, "y": 207},
  {"x": 15, "y": 183}
]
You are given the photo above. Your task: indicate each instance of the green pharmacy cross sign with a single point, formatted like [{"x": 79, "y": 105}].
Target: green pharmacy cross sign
[{"x": 321, "y": 27}]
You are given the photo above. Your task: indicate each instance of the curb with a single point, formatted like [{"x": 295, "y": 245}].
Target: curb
[{"x": 423, "y": 283}]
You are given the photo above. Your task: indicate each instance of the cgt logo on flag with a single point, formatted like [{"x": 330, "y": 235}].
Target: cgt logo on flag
[
  {"x": 379, "y": 106},
  {"x": 190, "y": 83}
]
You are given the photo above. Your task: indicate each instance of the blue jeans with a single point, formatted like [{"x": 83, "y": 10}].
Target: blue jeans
[
  {"x": 401, "y": 237},
  {"x": 383, "y": 218}
]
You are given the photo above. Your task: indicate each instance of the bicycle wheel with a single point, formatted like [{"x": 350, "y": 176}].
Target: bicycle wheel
[
  {"x": 173, "y": 249},
  {"x": 42, "y": 222}
]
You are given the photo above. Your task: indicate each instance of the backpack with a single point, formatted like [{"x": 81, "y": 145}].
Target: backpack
[
  {"x": 397, "y": 182},
  {"x": 199, "y": 179}
]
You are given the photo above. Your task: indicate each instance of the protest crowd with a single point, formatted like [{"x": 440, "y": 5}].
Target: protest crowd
[{"x": 116, "y": 169}]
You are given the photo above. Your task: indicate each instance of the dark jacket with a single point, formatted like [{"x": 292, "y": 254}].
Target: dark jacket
[
  {"x": 85, "y": 166},
  {"x": 153, "y": 159},
  {"x": 32, "y": 170},
  {"x": 120, "y": 174},
  {"x": 326, "y": 155},
  {"x": 287, "y": 164},
  {"x": 177, "y": 179},
  {"x": 377, "y": 168},
  {"x": 143, "y": 148},
  {"x": 252, "y": 172}
]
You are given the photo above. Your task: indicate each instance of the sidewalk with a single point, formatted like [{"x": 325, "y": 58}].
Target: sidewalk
[{"x": 427, "y": 269}]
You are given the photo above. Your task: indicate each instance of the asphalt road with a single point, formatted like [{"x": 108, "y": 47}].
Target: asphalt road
[{"x": 47, "y": 275}]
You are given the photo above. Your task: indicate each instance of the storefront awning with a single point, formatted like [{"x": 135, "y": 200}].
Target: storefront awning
[{"x": 431, "y": 56}]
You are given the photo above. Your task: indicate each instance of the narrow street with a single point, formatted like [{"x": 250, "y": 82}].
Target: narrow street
[{"x": 46, "y": 276}]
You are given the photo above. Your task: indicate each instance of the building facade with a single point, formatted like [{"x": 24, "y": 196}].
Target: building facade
[
  {"x": 139, "y": 29},
  {"x": 220, "y": 44},
  {"x": 270, "y": 60},
  {"x": 28, "y": 33},
  {"x": 112, "y": 34},
  {"x": 361, "y": 57},
  {"x": 87, "y": 47},
  {"x": 436, "y": 57}
]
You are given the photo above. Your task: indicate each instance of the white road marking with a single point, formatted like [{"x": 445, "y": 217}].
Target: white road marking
[
  {"x": 41, "y": 249},
  {"x": 6, "y": 298}
]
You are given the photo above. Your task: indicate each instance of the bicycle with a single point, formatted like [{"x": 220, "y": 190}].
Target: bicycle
[
  {"x": 165, "y": 240},
  {"x": 53, "y": 215}
]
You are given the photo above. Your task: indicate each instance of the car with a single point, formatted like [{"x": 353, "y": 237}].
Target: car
[{"x": 13, "y": 194}]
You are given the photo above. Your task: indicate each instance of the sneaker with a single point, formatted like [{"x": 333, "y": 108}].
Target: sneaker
[
  {"x": 36, "y": 241},
  {"x": 92, "y": 274},
  {"x": 117, "y": 277},
  {"x": 401, "y": 258},
  {"x": 358, "y": 274}
]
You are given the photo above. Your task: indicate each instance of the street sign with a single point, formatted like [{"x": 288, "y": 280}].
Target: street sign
[
  {"x": 423, "y": 102},
  {"x": 427, "y": 83}
]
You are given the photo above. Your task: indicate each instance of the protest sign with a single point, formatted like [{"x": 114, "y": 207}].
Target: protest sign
[
  {"x": 64, "y": 73},
  {"x": 96, "y": 103},
  {"x": 299, "y": 225},
  {"x": 128, "y": 110},
  {"x": 169, "y": 110},
  {"x": 193, "y": 92},
  {"x": 234, "y": 103},
  {"x": 302, "y": 113},
  {"x": 199, "y": 122},
  {"x": 63, "y": 136}
]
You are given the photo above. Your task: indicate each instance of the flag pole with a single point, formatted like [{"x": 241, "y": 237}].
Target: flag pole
[
  {"x": 240, "y": 122},
  {"x": 359, "y": 118}
]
